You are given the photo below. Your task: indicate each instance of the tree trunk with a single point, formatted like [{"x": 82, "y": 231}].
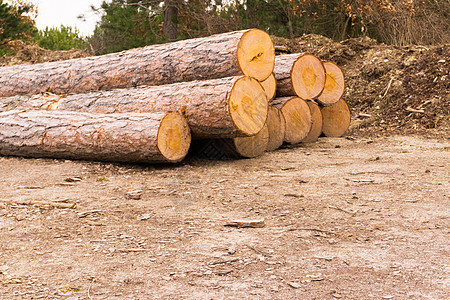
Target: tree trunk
[
  {"x": 248, "y": 52},
  {"x": 277, "y": 128},
  {"x": 169, "y": 25},
  {"x": 234, "y": 148},
  {"x": 336, "y": 119},
  {"x": 316, "y": 127},
  {"x": 300, "y": 75},
  {"x": 226, "y": 107},
  {"x": 145, "y": 138},
  {"x": 298, "y": 118},
  {"x": 334, "y": 85},
  {"x": 270, "y": 86}
]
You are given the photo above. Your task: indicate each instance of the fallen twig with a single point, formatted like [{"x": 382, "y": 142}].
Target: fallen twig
[{"x": 41, "y": 203}]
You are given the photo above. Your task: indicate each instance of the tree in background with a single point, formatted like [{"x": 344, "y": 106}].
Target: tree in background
[
  {"x": 63, "y": 38},
  {"x": 15, "y": 24}
]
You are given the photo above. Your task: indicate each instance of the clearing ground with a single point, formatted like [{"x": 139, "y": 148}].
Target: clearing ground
[{"x": 361, "y": 217}]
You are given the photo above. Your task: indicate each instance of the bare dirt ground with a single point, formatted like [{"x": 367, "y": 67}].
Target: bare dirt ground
[{"x": 363, "y": 218}]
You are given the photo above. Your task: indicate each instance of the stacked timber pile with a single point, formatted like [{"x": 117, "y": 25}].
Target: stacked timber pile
[{"x": 143, "y": 105}]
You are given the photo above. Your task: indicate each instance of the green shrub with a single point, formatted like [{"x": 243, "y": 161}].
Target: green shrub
[{"x": 63, "y": 38}]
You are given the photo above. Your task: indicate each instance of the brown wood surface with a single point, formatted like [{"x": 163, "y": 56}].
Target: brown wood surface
[
  {"x": 144, "y": 138},
  {"x": 336, "y": 119},
  {"x": 299, "y": 74},
  {"x": 298, "y": 118},
  {"x": 225, "y": 107},
  {"x": 277, "y": 128},
  {"x": 270, "y": 86},
  {"x": 334, "y": 84},
  {"x": 233, "y": 148},
  {"x": 246, "y": 52},
  {"x": 316, "y": 126}
]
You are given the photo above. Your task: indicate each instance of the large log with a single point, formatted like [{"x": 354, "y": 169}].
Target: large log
[
  {"x": 334, "y": 85},
  {"x": 270, "y": 86},
  {"x": 225, "y": 107},
  {"x": 316, "y": 126},
  {"x": 234, "y": 148},
  {"x": 336, "y": 119},
  {"x": 144, "y": 138},
  {"x": 298, "y": 118},
  {"x": 277, "y": 128},
  {"x": 300, "y": 75},
  {"x": 246, "y": 52}
]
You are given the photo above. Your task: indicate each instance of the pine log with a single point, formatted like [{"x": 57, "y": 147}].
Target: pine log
[
  {"x": 316, "y": 127},
  {"x": 334, "y": 85},
  {"x": 277, "y": 128},
  {"x": 298, "y": 118},
  {"x": 234, "y": 148},
  {"x": 144, "y": 138},
  {"x": 300, "y": 75},
  {"x": 270, "y": 86},
  {"x": 246, "y": 52},
  {"x": 336, "y": 119},
  {"x": 225, "y": 107}
]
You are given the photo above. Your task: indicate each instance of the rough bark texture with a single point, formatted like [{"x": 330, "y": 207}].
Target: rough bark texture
[
  {"x": 298, "y": 118},
  {"x": 277, "y": 128},
  {"x": 235, "y": 148},
  {"x": 225, "y": 107},
  {"x": 336, "y": 119},
  {"x": 316, "y": 126},
  {"x": 299, "y": 74},
  {"x": 169, "y": 25},
  {"x": 106, "y": 137},
  {"x": 334, "y": 85},
  {"x": 210, "y": 57}
]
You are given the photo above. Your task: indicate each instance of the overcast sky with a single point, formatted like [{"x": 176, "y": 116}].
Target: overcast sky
[{"x": 53, "y": 13}]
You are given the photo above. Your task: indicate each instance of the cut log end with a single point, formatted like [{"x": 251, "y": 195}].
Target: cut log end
[
  {"x": 298, "y": 118},
  {"x": 277, "y": 128},
  {"x": 336, "y": 119},
  {"x": 316, "y": 127},
  {"x": 256, "y": 54},
  {"x": 248, "y": 106},
  {"x": 270, "y": 86},
  {"x": 174, "y": 137},
  {"x": 252, "y": 146},
  {"x": 308, "y": 76},
  {"x": 334, "y": 84}
]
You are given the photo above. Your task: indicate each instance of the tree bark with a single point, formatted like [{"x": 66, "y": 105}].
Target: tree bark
[
  {"x": 316, "y": 126},
  {"x": 336, "y": 119},
  {"x": 235, "y": 148},
  {"x": 144, "y": 138},
  {"x": 225, "y": 107},
  {"x": 277, "y": 128},
  {"x": 248, "y": 52},
  {"x": 334, "y": 85},
  {"x": 299, "y": 74},
  {"x": 298, "y": 118},
  {"x": 169, "y": 26}
]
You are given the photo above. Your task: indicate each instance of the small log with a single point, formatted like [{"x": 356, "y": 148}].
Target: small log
[
  {"x": 298, "y": 118},
  {"x": 225, "y": 107},
  {"x": 246, "y": 52},
  {"x": 234, "y": 148},
  {"x": 270, "y": 86},
  {"x": 336, "y": 119},
  {"x": 146, "y": 138},
  {"x": 334, "y": 84},
  {"x": 316, "y": 127},
  {"x": 300, "y": 75},
  {"x": 277, "y": 128}
]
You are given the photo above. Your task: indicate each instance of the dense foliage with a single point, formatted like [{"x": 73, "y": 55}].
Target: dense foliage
[
  {"x": 63, "y": 38},
  {"x": 14, "y": 23}
]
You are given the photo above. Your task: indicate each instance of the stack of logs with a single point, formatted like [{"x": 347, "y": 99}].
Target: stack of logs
[{"x": 143, "y": 105}]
